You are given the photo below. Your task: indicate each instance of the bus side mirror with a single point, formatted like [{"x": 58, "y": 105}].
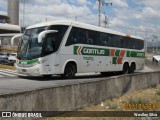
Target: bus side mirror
[{"x": 43, "y": 34}]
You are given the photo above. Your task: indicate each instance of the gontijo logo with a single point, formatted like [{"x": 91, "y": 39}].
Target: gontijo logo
[
  {"x": 80, "y": 50},
  {"x": 93, "y": 51},
  {"x": 140, "y": 54}
]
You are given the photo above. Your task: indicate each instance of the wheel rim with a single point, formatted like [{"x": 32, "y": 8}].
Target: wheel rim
[{"x": 69, "y": 72}]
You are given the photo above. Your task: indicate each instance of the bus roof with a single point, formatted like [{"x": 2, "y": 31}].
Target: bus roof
[
  {"x": 81, "y": 25},
  {"x": 9, "y": 27}
]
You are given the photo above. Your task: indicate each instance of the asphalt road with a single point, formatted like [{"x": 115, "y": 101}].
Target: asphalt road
[{"x": 11, "y": 82}]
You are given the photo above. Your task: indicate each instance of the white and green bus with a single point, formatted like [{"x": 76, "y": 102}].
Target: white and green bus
[{"x": 69, "y": 47}]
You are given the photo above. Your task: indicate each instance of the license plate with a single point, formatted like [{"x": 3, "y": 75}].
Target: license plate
[{"x": 23, "y": 70}]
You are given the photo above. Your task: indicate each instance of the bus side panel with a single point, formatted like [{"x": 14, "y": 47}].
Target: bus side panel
[
  {"x": 100, "y": 63},
  {"x": 66, "y": 55},
  {"x": 87, "y": 63},
  {"x": 48, "y": 65}
]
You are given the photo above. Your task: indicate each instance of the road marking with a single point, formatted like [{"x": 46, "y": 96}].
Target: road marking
[
  {"x": 12, "y": 72},
  {"x": 6, "y": 74}
]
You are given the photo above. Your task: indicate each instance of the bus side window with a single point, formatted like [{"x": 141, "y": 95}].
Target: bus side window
[
  {"x": 103, "y": 40},
  {"x": 92, "y": 37},
  {"x": 76, "y": 36},
  {"x": 72, "y": 38},
  {"x": 110, "y": 41},
  {"x": 141, "y": 44}
]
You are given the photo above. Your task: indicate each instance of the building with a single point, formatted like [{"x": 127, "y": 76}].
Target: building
[{"x": 4, "y": 19}]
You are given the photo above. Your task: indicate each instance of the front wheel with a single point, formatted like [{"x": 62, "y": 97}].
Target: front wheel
[{"x": 69, "y": 72}]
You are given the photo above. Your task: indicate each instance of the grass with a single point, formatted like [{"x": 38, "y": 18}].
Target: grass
[{"x": 7, "y": 67}]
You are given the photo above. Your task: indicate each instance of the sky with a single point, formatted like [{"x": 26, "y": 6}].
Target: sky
[{"x": 127, "y": 16}]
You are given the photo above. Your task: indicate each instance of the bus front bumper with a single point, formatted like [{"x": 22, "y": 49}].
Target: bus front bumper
[{"x": 33, "y": 71}]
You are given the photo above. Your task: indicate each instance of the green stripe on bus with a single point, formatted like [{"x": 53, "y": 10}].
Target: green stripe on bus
[
  {"x": 135, "y": 54},
  {"x": 91, "y": 51},
  {"x": 117, "y": 53},
  {"x": 82, "y": 50},
  {"x": 114, "y": 60},
  {"x": 28, "y": 61},
  {"x": 75, "y": 50}
]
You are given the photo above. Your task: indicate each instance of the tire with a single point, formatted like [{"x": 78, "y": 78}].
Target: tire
[
  {"x": 69, "y": 72},
  {"x": 132, "y": 68},
  {"x": 125, "y": 68}
]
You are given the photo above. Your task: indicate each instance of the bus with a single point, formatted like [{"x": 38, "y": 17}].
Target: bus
[
  {"x": 9, "y": 28},
  {"x": 66, "y": 47}
]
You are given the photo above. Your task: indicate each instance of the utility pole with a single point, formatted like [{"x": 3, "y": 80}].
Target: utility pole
[
  {"x": 105, "y": 13},
  {"x": 156, "y": 44},
  {"x": 99, "y": 12},
  {"x": 101, "y": 3},
  {"x": 105, "y": 21},
  {"x": 153, "y": 45},
  {"x": 23, "y": 15},
  {"x": 146, "y": 41},
  {"x": 155, "y": 38}
]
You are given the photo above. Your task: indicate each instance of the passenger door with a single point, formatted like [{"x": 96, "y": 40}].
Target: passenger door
[{"x": 48, "y": 50}]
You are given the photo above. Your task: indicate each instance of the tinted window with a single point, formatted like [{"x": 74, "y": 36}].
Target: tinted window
[
  {"x": 103, "y": 39},
  {"x": 76, "y": 36},
  {"x": 61, "y": 31},
  {"x": 83, "y": 36},
  {"x": 92, "y": 37},
  {"x": 49, "y": 44},
  {"x": 116, "y": 40},
  {"x": 141, "y": 44}
]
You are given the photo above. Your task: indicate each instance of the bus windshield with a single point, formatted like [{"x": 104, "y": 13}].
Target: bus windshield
[{"x": 29, "y": 47}]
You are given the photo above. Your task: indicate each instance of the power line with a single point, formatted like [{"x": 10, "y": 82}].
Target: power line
[{"x": 100, "y": 4}]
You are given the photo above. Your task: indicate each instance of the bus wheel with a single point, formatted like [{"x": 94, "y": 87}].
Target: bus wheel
[
  {"x": 125, "y": 68},
  {"x": 69, "y": 72},
  {"x": 132, "y": 68}
]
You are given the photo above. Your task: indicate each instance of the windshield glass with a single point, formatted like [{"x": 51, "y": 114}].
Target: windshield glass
[{"x": 29, "y": 48}]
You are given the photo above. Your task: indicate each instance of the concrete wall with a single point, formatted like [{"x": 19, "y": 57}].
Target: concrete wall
[{"x": 75, "y": 96}]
